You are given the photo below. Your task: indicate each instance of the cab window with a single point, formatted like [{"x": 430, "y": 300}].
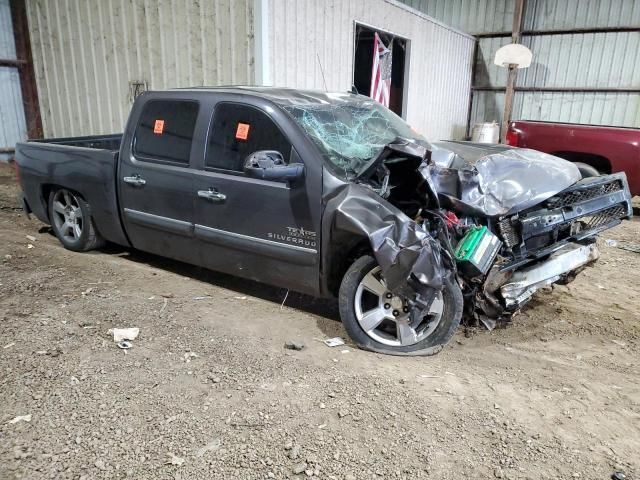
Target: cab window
[
  {"x": 165, "y": 131},
  {"x": 238, "y": 131}
]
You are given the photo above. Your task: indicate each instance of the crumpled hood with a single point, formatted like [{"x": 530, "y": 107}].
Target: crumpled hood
[{"x": 496, "y": 180}]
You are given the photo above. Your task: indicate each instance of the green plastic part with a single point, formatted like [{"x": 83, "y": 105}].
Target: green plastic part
[{"x": 469, "y": 243}]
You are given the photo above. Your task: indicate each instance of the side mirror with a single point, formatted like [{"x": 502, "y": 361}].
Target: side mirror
[{"x": 269, "y": 165}]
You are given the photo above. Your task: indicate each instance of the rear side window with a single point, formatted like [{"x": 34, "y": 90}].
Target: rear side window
[
  {"x": 165, "y": 131},
  {"x": 240, "y": 130}
]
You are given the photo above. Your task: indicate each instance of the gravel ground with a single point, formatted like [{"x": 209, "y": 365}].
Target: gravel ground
[{"x": 208, "y": 391}]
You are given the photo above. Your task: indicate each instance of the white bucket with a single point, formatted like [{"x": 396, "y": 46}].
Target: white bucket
[{"x": 485, "y": 133}]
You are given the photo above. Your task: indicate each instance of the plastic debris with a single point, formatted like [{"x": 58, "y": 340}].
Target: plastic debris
[
  {"x": 618, "y": 476},
  {"x": 293, "y": 345},
  {"x": 29, "y": 245},
  {"x": 629, "y": 246},
  {"x": 120, "y": 334},
  {"x": 124, "y": 345},
  {"x": 212, "y": 446},
  {"x": 31, "y": 238},
  {"x": 21, "y": 418},
  {"x": 189, "y": 356},
  {"x": 611, "y": 243},
  {"x": 334, "y": 342},
  {"x": 175, "y": 460}
]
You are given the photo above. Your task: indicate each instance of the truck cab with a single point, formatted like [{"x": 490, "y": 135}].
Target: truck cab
[{"x": 185, "y": 193}]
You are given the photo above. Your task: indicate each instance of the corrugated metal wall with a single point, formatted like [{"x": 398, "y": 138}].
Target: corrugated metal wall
[
  {"x": 472, "y": 16},
  {"x": 580, "y": 60},
  {"x": 87, "y": 54},
  {"x": 590, "y": 60},
  {"x": 12, "y": 121},
  {"x": 569, "y": 14},
  {"x": 440, "y": 57}
]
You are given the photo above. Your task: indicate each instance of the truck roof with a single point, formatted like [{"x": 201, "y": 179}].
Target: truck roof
[{"x": 284, "y": 96}]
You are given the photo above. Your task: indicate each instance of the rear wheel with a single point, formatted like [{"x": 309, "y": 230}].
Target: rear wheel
[
  {"x": 378, "y": 320},
  {"x": 71, "y": 221}
]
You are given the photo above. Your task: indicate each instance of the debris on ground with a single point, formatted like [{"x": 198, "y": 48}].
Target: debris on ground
[
  {"x": 124, "y": 345},
  {"x": 212, "y": 446},
  {"x": 21, "y": 418},
  {"x": 334, "y": 342},
  {"x": 293, "y": 345},
  {"x": 31, "y": 238},
  {"x": 188, "y": 356},
  {"x": 175, "y": 460},
  {"x": 120, "y": 334},
  {"x": 618, "y": 476},
  {"x": 629, "y": 246},
  {"x": 299, "y": 468}
]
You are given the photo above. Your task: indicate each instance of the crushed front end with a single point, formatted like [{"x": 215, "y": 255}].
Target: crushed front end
[{"x": 551, "y": 242}]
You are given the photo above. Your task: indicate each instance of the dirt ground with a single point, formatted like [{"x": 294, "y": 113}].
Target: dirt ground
[{"x": 208, "y": 391}]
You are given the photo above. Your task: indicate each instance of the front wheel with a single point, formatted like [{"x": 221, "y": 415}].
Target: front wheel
[
  {"x": 70, "y": 218},
  {"x": 379, "y": 321}
]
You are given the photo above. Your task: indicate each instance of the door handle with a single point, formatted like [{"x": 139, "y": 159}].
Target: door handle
[
  {"x": 135, "y": 180},
  {"x": 213, "y": 195}
]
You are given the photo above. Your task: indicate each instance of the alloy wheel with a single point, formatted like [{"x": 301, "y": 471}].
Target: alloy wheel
[
  {"x": 67, "y": 215},
  {"x": 385, "y": 317}
]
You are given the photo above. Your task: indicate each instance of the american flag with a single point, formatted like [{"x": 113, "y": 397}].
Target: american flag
[{"x": 381, "y": 71}]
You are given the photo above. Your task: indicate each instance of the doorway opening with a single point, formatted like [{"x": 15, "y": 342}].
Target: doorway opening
[{"x": 363, "y": 64}]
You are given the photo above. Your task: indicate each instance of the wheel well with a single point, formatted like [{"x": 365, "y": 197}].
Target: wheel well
[
  {"x": 341, "y": 262},
  {"x": 598, "y": 162},
  {"x": 46, "y": 190}
]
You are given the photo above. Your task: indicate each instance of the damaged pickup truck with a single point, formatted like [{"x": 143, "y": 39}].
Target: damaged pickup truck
[{"x": 329, "y": 195}]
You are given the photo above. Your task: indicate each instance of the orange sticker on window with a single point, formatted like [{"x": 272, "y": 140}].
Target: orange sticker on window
[
  {"x": 242, "y": 132},
  {"x": 158, "y": 127}
]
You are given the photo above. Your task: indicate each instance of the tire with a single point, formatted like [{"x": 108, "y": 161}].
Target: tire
[
  {"x": 70, "y": 218},
  {"x": 587, "y": 170},
  {"x": 429, "y": 340}
]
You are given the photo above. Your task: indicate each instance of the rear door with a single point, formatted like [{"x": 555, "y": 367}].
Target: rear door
[
  {"x": 260, "y": 229},
  {"x": 157, "y": 181}
]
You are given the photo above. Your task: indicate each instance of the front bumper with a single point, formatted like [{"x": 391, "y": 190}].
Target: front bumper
[
  {"x": 523, "y": 283},
  {"x": 577, "y": 213}
]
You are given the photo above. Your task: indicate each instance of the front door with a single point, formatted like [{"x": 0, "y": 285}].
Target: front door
[
  {"x": 259, "y": 229},
  {"x": 156, "y": 181}
]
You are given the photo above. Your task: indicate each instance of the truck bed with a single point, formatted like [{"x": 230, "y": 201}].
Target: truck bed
[
  {"x": 100, "y": 142},
  {"x": 87, "y": 165}
]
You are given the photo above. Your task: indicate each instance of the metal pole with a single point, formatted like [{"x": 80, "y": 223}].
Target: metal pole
[
  {"x": 516, "y": 33},
  {"x": 25, "y": 68}
]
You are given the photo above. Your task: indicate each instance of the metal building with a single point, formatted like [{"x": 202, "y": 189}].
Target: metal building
[
  {"x": 586, "y": 58},
  {"x": 93, "y": 57},
  {"x": 14, "y": 67}
]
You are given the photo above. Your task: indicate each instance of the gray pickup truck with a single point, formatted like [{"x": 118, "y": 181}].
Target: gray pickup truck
[{"x": 329, "y": 194}]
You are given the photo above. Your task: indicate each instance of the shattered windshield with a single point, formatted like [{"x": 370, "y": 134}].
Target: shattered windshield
[{"x": 351, "y": 131}]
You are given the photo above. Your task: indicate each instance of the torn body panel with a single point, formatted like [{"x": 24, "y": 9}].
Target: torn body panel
[
  {"x": 410, "y": 258},
  {"x": 500, "y": 182}
]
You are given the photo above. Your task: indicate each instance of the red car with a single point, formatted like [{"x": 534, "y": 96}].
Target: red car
[{"x": 596, "y": 149}]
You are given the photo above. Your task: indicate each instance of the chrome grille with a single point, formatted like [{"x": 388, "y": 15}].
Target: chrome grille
[
  {"x": 508, "y": 232},
  {"x": 572, "y": 197},
  {"x": 603, "y": 217}
]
